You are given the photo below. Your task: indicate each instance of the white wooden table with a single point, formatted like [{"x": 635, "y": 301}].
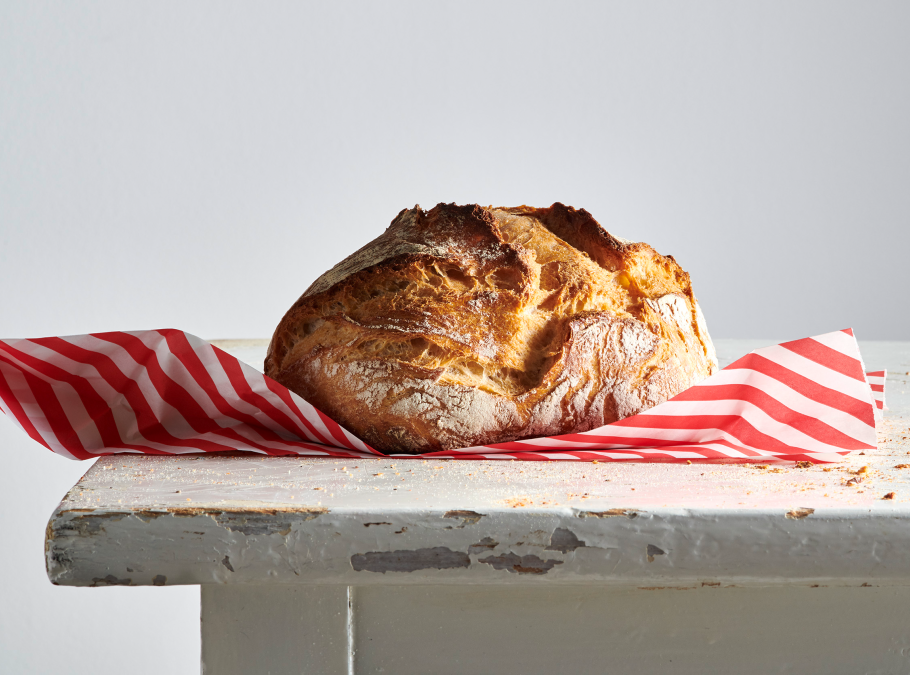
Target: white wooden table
[{"x": 413, "y": 566}]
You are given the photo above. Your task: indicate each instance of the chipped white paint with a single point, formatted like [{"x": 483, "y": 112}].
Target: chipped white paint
[
  {"x": 380, "y": 531},
  {"x": 140, "y": 520}
]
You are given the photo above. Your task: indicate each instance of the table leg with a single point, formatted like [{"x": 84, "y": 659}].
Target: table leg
[
  {"x": 274, "y": 629},
  {"x": 529, "y": 630}
]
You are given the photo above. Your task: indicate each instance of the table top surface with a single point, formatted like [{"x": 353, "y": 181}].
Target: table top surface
[{"x": 379, "y": 497}]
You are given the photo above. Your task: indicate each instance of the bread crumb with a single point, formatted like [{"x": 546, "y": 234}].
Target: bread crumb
[{"x": 890, "y": 495}]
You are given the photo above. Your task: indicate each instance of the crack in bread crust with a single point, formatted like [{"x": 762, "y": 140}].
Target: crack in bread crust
[{"x": 464, "y": 326}]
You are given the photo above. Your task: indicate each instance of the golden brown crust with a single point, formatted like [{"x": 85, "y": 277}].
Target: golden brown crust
[{"x": 466, "y": 326}]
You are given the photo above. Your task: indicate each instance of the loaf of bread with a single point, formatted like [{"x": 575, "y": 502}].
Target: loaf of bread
[{"x": 467, "y": 325}]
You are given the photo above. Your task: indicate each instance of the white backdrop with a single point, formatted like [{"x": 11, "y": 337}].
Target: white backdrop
[{"x": 197, "y": 164}]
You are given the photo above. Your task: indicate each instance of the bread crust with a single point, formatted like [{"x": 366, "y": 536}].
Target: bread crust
[{"x": 466, "y": 325}]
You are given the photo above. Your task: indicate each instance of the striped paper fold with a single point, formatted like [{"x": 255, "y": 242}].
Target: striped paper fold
[
  {"x": 876, "y": 381},
  {"x": 168, "y": 392}
]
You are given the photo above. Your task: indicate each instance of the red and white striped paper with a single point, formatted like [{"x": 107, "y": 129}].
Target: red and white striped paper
[
  {"x": 168, "y": 392},
  {"x": 876, "y": 381}
]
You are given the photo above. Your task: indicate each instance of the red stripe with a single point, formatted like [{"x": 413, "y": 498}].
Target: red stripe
[
  {"x": 6, "y": 393},
  {"x": 245, "y": 392},
  {"x": 47, "y": 400},
  {"x": 811, "y": 426},
  {"x": 877, "y": 373},
  {"x": 178, "y": 397},
  {"x": 329, "y": 450},
  {"x": 183, "y": 351},
  {"x": 334, "y": 429},
  {"x": 734, "y": 425},
  {"x": 848, "y": 331},
  {"x": 50, "y": 406},
  {"x": 808, "y": 388},
  {"x": 237, "y": 440},
  {"x": 652, "y": 442},
  {"x": 171, "y": 392},
  {"x": 175, "y": 395},
  {"x": 97, "y": 408},
  {"x": 877, "y": 387},
  {"x": 234, "y": 371},
  {"x": 284, "y": 394},
  {"x": 148, "y": 424},
  {"x": 699, "y": 446},
  {"x": 827, "y": 357},
  {"x": 708, "y": 456},
  {"x": 626, "y": 443}
]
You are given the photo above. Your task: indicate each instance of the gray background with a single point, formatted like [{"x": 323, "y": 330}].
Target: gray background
[{"x": 197, "y": 165}]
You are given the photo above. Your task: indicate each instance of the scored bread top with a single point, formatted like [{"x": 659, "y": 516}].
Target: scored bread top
[{"x": 466, "y": 325}]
